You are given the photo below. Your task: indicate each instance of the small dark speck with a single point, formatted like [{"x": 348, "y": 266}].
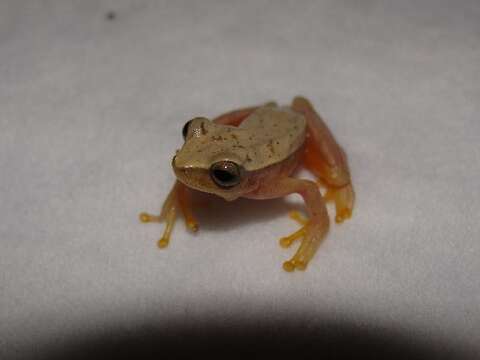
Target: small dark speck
[{"x": 110, "y": 16}]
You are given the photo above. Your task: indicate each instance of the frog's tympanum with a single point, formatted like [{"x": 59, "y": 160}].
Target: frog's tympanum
[{"x": 252, "y": 153}]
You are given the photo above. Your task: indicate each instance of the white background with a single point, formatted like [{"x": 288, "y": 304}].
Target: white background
[{"x": 91, "y": 113}]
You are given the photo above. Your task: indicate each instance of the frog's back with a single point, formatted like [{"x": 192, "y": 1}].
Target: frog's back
[{"x": 275, "y": 134}]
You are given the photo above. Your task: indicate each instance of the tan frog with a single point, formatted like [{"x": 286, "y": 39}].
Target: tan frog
[{"x": 252, "y": 153}]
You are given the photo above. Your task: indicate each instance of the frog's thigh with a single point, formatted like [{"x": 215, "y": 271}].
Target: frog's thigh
[
  {"x": 317, "y": 226},
  {"x": 343, "y": 195},
  {"x": 324, "y": 157},
  {"x": 326, "y": 160}
]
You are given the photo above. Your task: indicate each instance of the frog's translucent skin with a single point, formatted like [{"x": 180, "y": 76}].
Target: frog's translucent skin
[{"x": 303, "y": 139}]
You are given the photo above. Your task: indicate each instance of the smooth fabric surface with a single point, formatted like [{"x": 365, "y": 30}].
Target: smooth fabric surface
[{"x": 91, "y": 110}]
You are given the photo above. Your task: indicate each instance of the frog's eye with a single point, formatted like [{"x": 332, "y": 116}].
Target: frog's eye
[
  {"x": 195, "y": 127},
  {"x": 185, "y": 128},
  {"x": 225, "y": 174}
]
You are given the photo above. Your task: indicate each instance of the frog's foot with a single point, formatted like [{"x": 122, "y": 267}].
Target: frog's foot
[
  {"x": 192, "y": 224},
  {"x": 190, "y": 221},
  {"x": 169, "y": 217},
  {"x": 305, "y": 252},
  {"x": 286, "y": 241},
  {"x": 344, "y": 198},
  {"x": 312, "y": 235},
  {"x": 148, "y": 218}
]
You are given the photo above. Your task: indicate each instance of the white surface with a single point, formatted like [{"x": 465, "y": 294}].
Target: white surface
[{"x": 91, "y": 113}]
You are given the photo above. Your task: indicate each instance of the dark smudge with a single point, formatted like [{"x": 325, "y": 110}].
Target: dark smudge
[{"x": 249, "y": 339}]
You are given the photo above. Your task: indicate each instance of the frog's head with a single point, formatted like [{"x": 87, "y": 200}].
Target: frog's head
[{"x": 210, "y": 161}]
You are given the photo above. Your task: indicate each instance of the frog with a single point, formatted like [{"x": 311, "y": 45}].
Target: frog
[{"x": 254, "y": 153}]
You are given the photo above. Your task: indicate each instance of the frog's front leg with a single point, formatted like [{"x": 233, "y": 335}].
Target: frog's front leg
[
  {"x": 313, "y": 230},
  {"x": 326, "y": 159},
  {"x": 179, "y": 197}
]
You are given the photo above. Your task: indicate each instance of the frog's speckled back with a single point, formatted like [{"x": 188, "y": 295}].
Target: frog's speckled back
[{"x": 277, "y": 133}]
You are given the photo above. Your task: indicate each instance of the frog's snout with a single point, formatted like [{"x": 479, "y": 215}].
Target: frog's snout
[{"x": 180, "y": 173}]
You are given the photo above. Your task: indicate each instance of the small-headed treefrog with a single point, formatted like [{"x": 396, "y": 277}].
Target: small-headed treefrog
[{"x": 252, "y": 153}]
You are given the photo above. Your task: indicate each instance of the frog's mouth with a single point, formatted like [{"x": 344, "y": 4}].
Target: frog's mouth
[{"x": 194, "y": 178}]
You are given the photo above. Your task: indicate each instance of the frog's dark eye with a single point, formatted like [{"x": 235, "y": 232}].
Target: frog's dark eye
[
  {"x": 185, "y": 129},
  {"x": 225, "y": 174}
]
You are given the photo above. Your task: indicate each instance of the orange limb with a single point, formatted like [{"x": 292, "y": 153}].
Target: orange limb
[
  {"x": 326, "y": 160},
  {"x": 168, "y": 213},
  {"x": 313, "y": 229},
  {"x": 179, "y": 197},
  {"x": 185, "y": 203}
]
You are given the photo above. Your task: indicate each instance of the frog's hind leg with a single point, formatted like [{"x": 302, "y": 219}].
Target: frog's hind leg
[
  {"x": 179, "y": 197},
  {"x": 326, "y": 160}
]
